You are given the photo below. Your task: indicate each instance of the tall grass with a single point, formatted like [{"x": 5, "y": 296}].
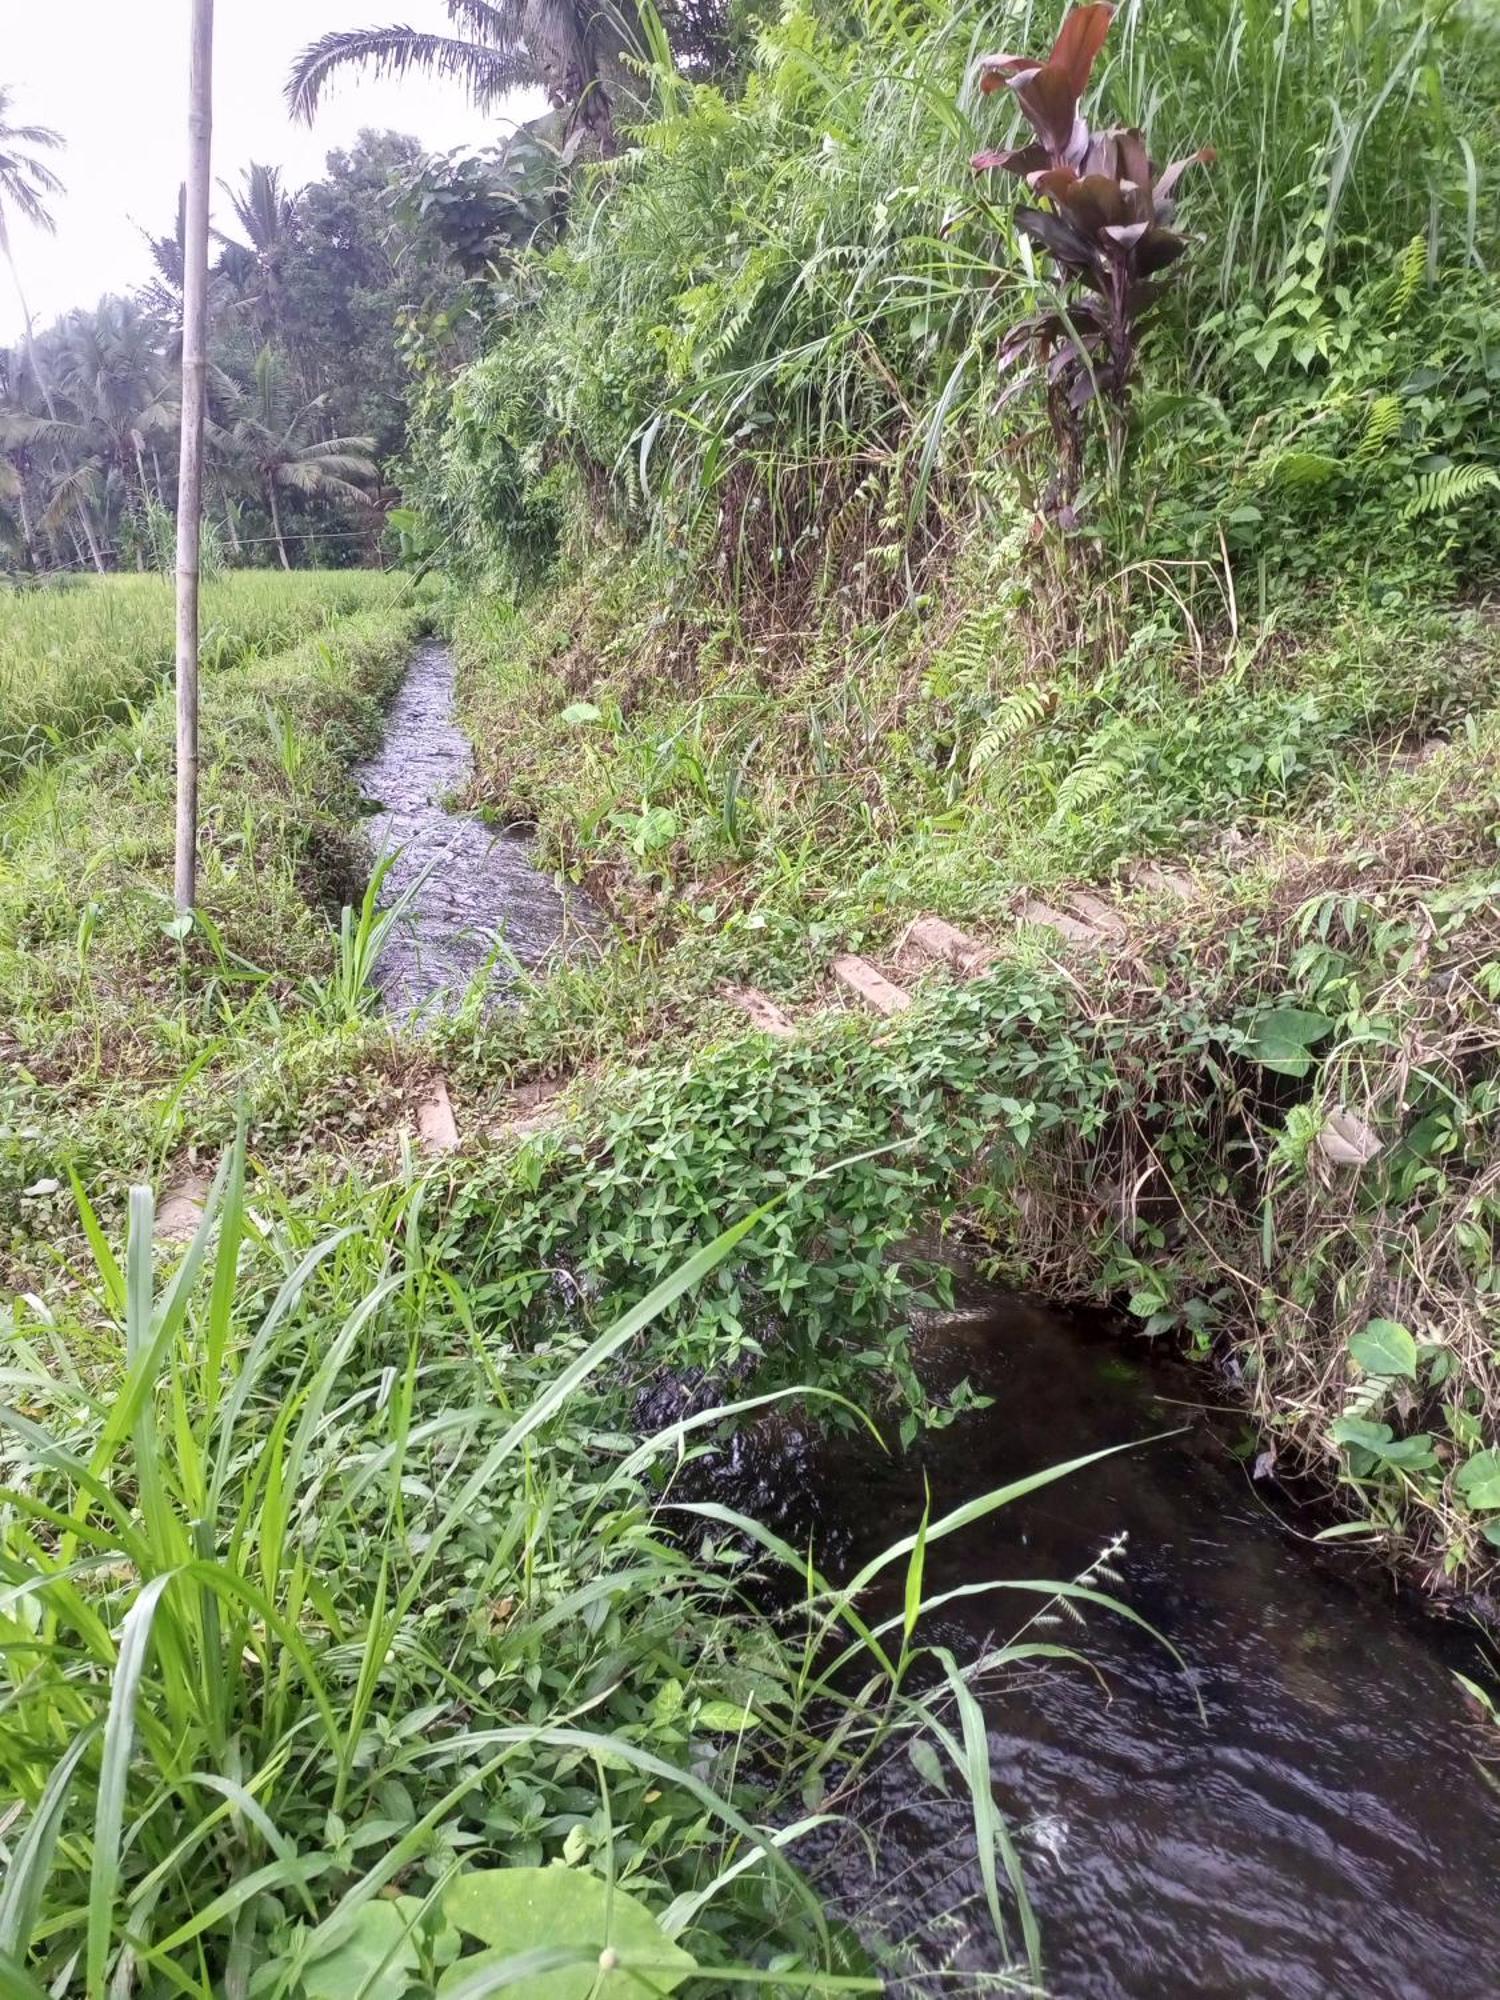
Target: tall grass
[
  {"x": 311, "y": 1592},
  {"x": 772, "y": 333},
  {"x": 74, "y": 660}
]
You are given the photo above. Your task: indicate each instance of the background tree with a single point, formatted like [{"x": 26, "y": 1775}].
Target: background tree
[
  {"x": 256, "y": 268},
  {"x": 571, "y": 48},
  {"x": 268, "y": 439},
  {"x": 25, "y": 183}
]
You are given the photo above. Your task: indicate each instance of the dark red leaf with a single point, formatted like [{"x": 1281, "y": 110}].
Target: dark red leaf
[
  {"x": 1079, "y": 41},
  {"x": 995, "y": 72},
  {"x": 1140, "y": 298},
  {"x": 1054, "y": 183},
  {"x": 1156, "y": 249},
  {"x": 1051, "y": 105},
  {"x": 1103, "y": 155},
  {"x": 1057, "y": 234},
  {"x": 1204, "y": 157},
  {"x": 1095, "y": 203},
  {"x": 1014, "y": 159},
  {"x": 1135, "y": 167}
]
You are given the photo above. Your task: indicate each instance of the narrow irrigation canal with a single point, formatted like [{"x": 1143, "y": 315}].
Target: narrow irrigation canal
[
  {"x": 1300, "y": 1812},
  {"x": 1320, "y": 1829},
  {"x": 478, "y": 904}
]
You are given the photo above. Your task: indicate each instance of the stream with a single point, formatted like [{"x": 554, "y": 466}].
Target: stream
[
  {"x": 1319, "y": 1829},
  {"x": 478, "y": 904}
]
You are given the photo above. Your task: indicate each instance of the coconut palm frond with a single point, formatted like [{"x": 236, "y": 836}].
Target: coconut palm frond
[{"x": 486, "y": 73}]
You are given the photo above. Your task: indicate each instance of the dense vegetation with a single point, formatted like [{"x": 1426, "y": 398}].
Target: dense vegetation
[
  {"x": 770, "y": 642},
  {"x": 343, "y": 1583}
]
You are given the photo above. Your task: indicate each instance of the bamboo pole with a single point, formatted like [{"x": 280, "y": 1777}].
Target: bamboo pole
[{"x": 190, "y": 457}]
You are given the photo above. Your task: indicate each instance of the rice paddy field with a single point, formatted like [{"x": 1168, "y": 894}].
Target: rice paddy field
[{"x": 83, "y": 651}]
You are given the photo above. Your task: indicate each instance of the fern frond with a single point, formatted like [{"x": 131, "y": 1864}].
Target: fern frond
[
  {"x": 1441, "y": 492},
  {"x": 1381, "y": 426},
  {"x": 1018, "y": 714},
  {"x": 1101, "y": 767},
  {"x": 1411, "y": 275}
]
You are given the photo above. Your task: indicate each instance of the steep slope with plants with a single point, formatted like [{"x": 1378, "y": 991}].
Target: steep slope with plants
[{"x": 1161, "y": 660}]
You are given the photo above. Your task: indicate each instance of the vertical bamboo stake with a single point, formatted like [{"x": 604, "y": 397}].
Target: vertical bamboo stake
[{"x": 190, "y": 456}]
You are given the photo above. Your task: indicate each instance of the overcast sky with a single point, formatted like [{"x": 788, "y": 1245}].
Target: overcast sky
[{"x": 111, "y": 76}]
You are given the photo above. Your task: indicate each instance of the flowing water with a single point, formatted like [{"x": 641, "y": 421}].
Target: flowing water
[
  {"x": 1319, "y": 1830},
  {"x": 1295, "y": 1814},
  {"x": 477, "y": 898}
]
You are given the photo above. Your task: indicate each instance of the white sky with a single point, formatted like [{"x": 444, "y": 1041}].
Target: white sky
[{"x": 111, "y": 76}]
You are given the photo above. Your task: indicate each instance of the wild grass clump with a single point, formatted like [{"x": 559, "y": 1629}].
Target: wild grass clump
[
  {"x": 74, "y": 661},
  {"x": 340, "y": 1632}
]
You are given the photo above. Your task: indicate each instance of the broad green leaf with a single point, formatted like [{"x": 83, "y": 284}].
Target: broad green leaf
[
  {"x": 1361, "y": 1432},
  {"x": 522, "y": 1910},
  {"x": 580, "y": 712},
  {"x": 1281, "y": 1038},
  {"x": 1413, "y": 1454},
  {"x": 375, "y": 1960},
  {"x": 1478, "y": 1479},
  {"x": 1385, "y": 1348},
  {"x": 727, "y": 1715}
]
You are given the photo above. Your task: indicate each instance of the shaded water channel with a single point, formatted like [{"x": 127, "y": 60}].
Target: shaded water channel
[
  {"x": 1319, "y": 1831},
  {"x": 478, "y": 902}
]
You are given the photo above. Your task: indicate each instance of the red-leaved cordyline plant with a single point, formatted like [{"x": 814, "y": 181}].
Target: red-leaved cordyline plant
[{"x": 1105, "y": 224}]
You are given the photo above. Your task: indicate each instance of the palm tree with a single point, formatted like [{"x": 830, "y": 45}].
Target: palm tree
[
  {"x": 33, "y": 448},
  {"x": 25, "y": 183},
  {"x": 566, "y": 46},
  {"x": 267, "y": 215},
  {"x": 122, "y": 393},
  {"x": 266, "y": 434}
]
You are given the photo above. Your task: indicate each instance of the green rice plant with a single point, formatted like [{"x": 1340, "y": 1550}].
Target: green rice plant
[{"x": 73, "y": 662}]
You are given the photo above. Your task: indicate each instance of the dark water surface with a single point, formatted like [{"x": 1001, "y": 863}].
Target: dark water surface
[
  {"x": 481, "y": 899},
  {"x": 1319, "y": 1832}
]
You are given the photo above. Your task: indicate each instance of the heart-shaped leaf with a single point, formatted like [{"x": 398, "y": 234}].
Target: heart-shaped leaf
[
  {"x": 520, "y": 1910},
  {"x": 1385, "y": 1348},
  {"x": 374, "y": 1959},
  {"x": 1478, "y": 1479},
  {"x": 1282, "y": 1036}
]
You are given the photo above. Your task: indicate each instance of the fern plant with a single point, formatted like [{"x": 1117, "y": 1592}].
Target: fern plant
[
  {"x": 1442, "y": 491},
  {"x": 1018, "y": 715},
  {"x": 1104, "y": 764}
]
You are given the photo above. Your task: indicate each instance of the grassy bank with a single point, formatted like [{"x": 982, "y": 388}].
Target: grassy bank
[
  {"x": 127, "y": 1039},
  {"x": 341, "y": 1592},
  {"x": 1258, "y": 1106}
]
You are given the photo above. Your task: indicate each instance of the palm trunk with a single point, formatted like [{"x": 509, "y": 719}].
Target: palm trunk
[
  {"x": 229, "y": 523},
  {"x": 43, "y": 384},
  {"x": 140, "y": 473},
  {"x": 276, "y": 522},
  {"x": 26, "y": 535},
  {"x": 95, "y": 552}
]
